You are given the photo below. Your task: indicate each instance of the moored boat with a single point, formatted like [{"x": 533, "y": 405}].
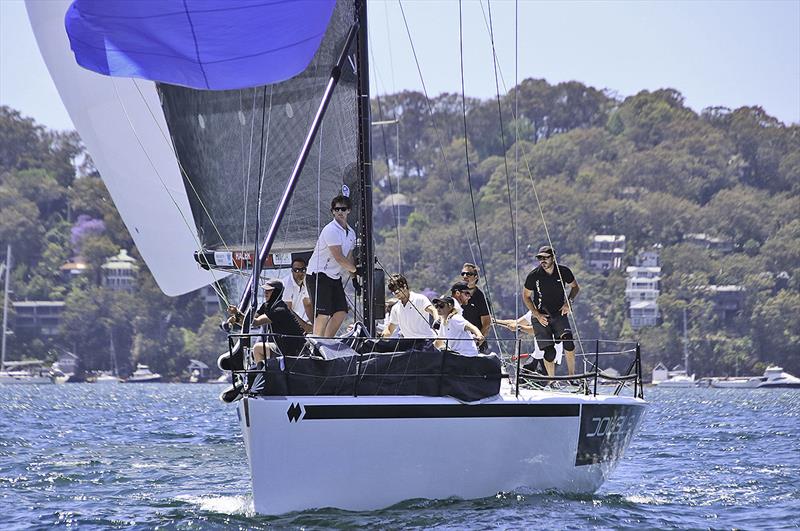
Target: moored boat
[
  {"x": 142, "y": 374},
  {"x": 678, "y": 380},
  {"x": 773, "y": 378},
  {"x": 25, "y": 372}
]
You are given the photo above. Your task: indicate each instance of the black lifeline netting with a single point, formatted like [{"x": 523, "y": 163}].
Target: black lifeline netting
[{"x": 219, "y": 136}]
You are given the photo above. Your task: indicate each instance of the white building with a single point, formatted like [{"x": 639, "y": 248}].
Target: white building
[
  {"x": 643, "y": 288},
  {"x": 660, "y": 373},
  {"x": 119, "y": 272},
  {"x": 606, "y": 252}
]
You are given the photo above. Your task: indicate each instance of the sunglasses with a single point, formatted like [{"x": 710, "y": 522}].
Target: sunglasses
[
  {"x": 298, "y": 269},
  {"x": 543, "y": 257},
  {"x": 340, "y": 209},
  {"x": 468, "y": 274},
  {"x": 466, "y": 292},
  {"x": 440, "y": 305}
]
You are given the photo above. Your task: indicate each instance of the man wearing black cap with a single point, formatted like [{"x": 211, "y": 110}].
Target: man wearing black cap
[
  {"x": 455, "y": 333},
  {"x": 287, "y": 340},
  {"x": 543, "y": 294}
]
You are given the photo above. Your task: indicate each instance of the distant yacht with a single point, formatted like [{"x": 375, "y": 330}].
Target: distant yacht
[
  {"x": 142, "y": 374},
  {"x": 774, "y": 377},
  {"x": 678, "y": 380},
  {"x": 25, "y": 372},
  {"x": 106, "y": 377}
]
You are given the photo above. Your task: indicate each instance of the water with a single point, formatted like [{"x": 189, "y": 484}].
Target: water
[{"x": 169, "y": 455}]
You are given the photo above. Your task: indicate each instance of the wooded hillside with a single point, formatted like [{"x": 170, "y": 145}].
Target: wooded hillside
[{"x": 646, "y": 167}]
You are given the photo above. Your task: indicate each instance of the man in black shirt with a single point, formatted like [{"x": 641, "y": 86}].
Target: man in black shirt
[
  {"x": 283, "y": 322},
  {"x": 543, "y": 294},
  {"x": 287, "y": 340},
  {"x": 476, "y": 311}
]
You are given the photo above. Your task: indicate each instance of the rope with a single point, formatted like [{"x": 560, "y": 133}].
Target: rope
[
  {"x": 190, "y": 226},
  {"x": 436, "y": 128},
  {"x": 469, "y": 173},
  {"x": 183, "y": 171}
]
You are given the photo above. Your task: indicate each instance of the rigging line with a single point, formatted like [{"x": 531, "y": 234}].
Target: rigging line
[
  {"x": 262, "y": 160},
  {"x": 183, "y": 171},
  {"x": 466, "y": 154},
  {"x": 505, "y": 166},
  {"x": 525, "y": 155},
  {"x": 395, "y": 207},
  {"x": 437, "y": 129},
  {"x": 249, "y": 167},
  {"x": 155, "y": 169},
  {"x": 389, "y": 44}
]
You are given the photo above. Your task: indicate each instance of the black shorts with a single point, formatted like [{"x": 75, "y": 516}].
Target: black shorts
[
  {"x": 326, "y": 293},
  {"x": 548, "y": 336}
]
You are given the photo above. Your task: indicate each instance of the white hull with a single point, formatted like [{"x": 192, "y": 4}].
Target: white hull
[
  {"x": 737, "y": 384},
  {"x": 681, "y": 382},
  {"x": 143, "y": 379},
  {"x": 774, "y": 378},
  {"x": 21, "y": 377},
  {"x": 372, "y": 452}
]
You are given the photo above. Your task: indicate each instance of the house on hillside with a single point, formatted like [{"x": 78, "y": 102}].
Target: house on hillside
[
  {"x": 728, "y": 300},
  {"x": 119, "y": 272},
  {"x": 37, "y": 317},
  {"x": 74, "y": 269},
  {"x": 642, "y": 289},
  {"x": 395, "y": 208},
  {"x": 707, "y": 241},
  {"x": 606, "y": 252}
]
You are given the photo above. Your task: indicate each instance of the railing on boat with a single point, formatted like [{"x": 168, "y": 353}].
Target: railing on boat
[{"x": 521, "y": 377}]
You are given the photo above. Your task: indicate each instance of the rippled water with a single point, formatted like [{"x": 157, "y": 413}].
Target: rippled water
[{"x": 170, "y": 455}]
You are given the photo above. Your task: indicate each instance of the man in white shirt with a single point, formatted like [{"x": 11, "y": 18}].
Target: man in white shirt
[
  {"x": 455, "y": 332},
  {"x": 296, "y": 294},
  {"x": 410, "y": 313},
  {"x": 332, "y": 259}
]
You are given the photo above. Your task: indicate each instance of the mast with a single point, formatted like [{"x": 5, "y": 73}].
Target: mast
[
  {"x": 244, "y": 302},
  {"x": 5, "y": 307},
  {"x": 685, "y": 345},
  {"x": 365, "y": 168}
]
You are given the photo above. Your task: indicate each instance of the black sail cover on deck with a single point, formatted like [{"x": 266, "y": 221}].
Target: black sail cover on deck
[{"x": 223, "y": 139}]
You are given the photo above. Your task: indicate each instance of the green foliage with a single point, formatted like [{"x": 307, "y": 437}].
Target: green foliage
[{"x": 645, "y": 166}]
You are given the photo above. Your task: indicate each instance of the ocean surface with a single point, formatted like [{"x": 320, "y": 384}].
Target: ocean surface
[{"x": 170, "y": 456}]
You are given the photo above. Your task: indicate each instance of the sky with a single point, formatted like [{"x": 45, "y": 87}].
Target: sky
[{"x": 716, "y": 53}]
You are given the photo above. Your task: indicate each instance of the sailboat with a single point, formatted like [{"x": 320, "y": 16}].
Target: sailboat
[
  {"x": 111, "y": 376},
  {"x": 279, "y": 132},
  {"x": 17, "y": 372}
]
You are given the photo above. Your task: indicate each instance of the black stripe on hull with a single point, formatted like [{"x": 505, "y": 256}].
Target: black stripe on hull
[{"x": 433, "y": 411}]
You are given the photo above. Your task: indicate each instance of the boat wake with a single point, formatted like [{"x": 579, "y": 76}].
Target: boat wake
[{"x": 231, "y": 505}]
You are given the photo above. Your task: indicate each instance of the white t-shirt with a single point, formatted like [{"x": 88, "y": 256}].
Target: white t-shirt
[
  {"x": 411, "y": 317},
  {"x": 456, "y": 337},
  {"x": 322, "y": 260},
  {"x": 295, "y": 294}
]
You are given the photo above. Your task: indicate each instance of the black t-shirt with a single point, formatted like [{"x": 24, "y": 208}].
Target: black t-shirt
[
  {"x": 284, "y": 323},
  {"x": 548, "y": 292},
  {"x": 475, "y": 308}
]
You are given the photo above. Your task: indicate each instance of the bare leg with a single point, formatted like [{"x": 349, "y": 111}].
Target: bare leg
[
  {"x": 332, "y": 327},
  {"x": 551, "y": 367},
  {"x": 259, "y": 352},
  {"x": 570, "y": 361},
  {"x": 262, "y": 352},
  {"x": 320, "y": 322}
]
